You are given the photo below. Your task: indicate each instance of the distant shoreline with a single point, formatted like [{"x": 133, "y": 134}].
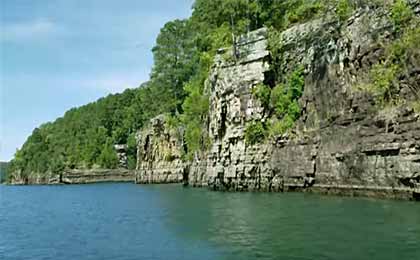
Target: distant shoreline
[{"x": 128, "y": 176}]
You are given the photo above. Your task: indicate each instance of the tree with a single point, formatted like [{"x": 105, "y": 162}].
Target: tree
[
  {"x": 108, "y": 158},
  {"x": 131, "y": 152},
  {"x": 174, "y": 63}
]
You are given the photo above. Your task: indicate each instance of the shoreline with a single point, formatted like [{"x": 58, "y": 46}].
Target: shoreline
[{"x": 127, "y": 176}]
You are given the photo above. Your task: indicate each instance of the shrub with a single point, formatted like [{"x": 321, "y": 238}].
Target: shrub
[
  {"x": 404, "y": 48},
  {"x": 344, "y": 9},
  {"x": 263, "y": 92},
  {"x": 384, "y": 76},
  {"x": 294, "y": 110},
  {"x": 401, "y": 14},
  {"x": 193, "y": 137},
  {"x": 305, "y": 11},
  {"x": 275, "y": 46},
  {"x": 383, "y": 82},
  {"x": 284, "y": 96},
  {"x": 255, "y": 132},
  {"x": 279, "y": 100},
  {"x": 196, "y": 106},
  {"x": 280, "y": 127},
  {"x": 172, "y": 122},
  {"x": 296, "y": 83},
  {"x": 284, "y": 102}
]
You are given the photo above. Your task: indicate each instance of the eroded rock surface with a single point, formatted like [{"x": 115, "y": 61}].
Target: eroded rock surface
[
  {"x": 159, "y": 153},
  {"x": 342, "y": 142}
]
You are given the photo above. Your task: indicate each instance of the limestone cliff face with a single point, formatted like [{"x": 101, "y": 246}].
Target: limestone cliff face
[
  {"x": 230, "y": 163},
  {"x": 159, "y": 153},
  {"x": 342, "y": 141}
]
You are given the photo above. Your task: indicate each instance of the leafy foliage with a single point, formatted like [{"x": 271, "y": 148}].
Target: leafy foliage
[
  {"x": 108, "y": 158},
  {"x": 384, "y": 82},
  {"x": 399, "y": 54},
  {"x": 404, "y": 50},
  {"x": 255, "y": 132},
  {"x": 131, "y": 151},
  {"x": 303, "y": 10},
  {"x": 344, "y": 9},
  {"x": 283, "y": 96},
  {"x": 282, "y": 101},
  {"x": 83, "y": 137},
  {"x": 401, "y": 13},
  {"x": 175, "y": 59},
  {"x": 195, "y": 108},
  {"x": 263, "y": 92},
  {"x": 279, "y": 127}
]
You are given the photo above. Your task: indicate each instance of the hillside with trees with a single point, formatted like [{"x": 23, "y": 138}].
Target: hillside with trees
[{"x": 84, "y": 137}]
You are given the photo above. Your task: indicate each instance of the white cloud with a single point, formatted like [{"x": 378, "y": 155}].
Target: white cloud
[{"x": 27, "y": 30}]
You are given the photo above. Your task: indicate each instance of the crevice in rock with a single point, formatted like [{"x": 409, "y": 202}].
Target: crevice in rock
[
  {"x": 185, "y": 175},
  {"x": 383, "y": 153},
  {"x": 270, "y": 78},
  {"x": 223, "y": 117}
]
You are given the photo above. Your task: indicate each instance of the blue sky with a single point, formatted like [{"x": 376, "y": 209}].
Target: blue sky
[{"x": 58, "y": 54}]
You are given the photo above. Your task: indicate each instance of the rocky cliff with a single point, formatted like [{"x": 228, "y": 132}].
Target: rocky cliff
[
  {"x": 230, "y": 163},
  {"x": 343, "y": 141},
  {"x": 159, "y": 153}
]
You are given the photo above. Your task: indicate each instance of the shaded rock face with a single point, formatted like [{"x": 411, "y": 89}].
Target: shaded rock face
[
  {"x": 342, "y": 143},
  {"x": 159, "y": 154},
  {"x": 343, "y": 139}
]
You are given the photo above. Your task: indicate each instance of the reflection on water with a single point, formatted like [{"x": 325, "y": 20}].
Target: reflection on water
[
  {"x": 294, "y": 226},
  {"x": 124, "y": 221}
]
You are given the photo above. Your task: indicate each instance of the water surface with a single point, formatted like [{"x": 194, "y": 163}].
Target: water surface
[{"x": 126, "y": 221}]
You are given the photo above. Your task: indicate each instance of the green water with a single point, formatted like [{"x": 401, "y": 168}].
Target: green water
[{"x": 125, "y": 221}]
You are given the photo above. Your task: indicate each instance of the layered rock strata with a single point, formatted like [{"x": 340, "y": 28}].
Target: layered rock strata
[
  {"x": 159, "y": 153},
  {"x": 343, "y": 142},
  {"x": 76, "y": 177}
]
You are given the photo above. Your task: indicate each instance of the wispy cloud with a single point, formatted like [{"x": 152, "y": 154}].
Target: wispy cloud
[{"x": 27, "y": 30}]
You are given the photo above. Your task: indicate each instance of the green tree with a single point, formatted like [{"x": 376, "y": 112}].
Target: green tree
[
  {"x": 108, "y": 158},
  {"x": 131, "y": 152},
  {"x": 174, "y": 57}
]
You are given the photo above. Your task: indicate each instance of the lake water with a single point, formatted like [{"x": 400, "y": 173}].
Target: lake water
[{"x": 127, "y": 221}]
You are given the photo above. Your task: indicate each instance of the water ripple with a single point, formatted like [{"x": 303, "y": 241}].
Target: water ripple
[{"x": 124, "y": 221}]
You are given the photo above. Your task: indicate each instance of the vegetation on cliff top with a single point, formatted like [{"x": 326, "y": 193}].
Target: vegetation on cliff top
[{"x": 184, "y": 51}]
